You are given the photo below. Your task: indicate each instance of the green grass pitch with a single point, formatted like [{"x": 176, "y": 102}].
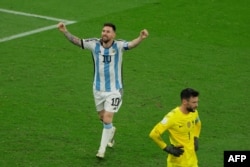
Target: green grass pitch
[{"x": 47, "y": 113}]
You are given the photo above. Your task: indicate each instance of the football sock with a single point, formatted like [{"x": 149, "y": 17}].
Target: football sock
[{"x": 106, "y": 133}]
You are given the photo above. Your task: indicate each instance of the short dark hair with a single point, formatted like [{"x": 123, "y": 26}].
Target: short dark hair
[
  {"x": 189, "y": 92},
  {"x": 110, "y": 25}
]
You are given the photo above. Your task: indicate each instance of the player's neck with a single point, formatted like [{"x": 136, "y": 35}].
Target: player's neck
[
  {"x": 108, "y": 44},
  {"x": 183, "y": 110}
]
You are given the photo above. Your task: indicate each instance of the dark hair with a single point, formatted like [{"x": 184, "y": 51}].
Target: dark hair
[
  {"x": 189, "y": 92},
  {"x": 110, "y": 25}
]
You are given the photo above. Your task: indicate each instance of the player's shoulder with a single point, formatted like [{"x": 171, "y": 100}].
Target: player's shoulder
[
  {"x": 92, "y": 40},
  {"x": 120, "y": 41},
  {"x": 174, "y": 111},
  {"x": 169, "y": 117}
]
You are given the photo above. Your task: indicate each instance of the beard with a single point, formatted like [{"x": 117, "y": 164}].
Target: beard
[
  {"x": 105, "y": 39},
  {"x": 190, "y": 109}
]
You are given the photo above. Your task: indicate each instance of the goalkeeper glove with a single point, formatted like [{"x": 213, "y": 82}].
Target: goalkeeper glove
[
  {"x": 196, "y": 143},
  {"x": 176, "y": 151}
]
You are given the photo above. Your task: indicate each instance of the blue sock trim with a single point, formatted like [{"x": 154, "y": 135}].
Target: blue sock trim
[{"x": 107, "y": 126}]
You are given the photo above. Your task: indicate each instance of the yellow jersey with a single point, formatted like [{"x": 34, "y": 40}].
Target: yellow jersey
[{"x": 182, "y": 129}]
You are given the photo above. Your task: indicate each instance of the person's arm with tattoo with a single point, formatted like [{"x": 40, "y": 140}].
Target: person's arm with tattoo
[{"x": 73, "y": 39}]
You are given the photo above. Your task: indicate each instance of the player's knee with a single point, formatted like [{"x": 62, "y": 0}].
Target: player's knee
[
  {"x": 107, "y": 117},
  {"x": 107, "y": 120}
]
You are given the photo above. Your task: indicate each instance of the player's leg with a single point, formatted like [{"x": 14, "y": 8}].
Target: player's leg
[
  {"x": 111, "y": 142},
  {"x": 111, "y": 105},
  {"x": 106, "y": 133},
  {"x": 99, "y": 98},
  {"x": 100, "y": 114}
]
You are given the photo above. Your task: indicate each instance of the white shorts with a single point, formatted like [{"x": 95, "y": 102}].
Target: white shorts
[{"x": 108, "y": 101}]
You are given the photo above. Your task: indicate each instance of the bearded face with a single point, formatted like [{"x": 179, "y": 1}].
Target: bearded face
[
  {"x": 108, "y": 34},
  {"x": 190, "y": 109},
  {"x": 192, "y": 104}
]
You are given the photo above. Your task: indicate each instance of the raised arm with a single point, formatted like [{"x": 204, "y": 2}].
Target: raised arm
[
  {"x": 138, "y": 40},
  {"x": 73, "y": 39}
]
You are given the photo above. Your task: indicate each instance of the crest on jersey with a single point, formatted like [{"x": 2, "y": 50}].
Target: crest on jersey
[
  {"x": 188, "y": 124},
  {"x": 113, "y": 51}
]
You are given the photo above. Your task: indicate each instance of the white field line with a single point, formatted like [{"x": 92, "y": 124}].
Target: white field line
[{"x": 36, "y": 30}]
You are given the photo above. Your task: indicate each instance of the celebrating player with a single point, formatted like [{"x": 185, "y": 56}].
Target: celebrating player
[
  {"x": 184, "y": 126},
  {"x": 107, "y": 86}
]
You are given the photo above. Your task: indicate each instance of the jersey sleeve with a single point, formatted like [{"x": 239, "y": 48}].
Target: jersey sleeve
[
  {"x": 89, "y": 43},
  {"x": 160, "y": 128},
  {"x": 123, "y": 44},
  {"x": 197, "y": 128}
]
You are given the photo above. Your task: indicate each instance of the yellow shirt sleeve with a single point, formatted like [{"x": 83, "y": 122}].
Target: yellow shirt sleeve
[
  {"x": 159, "y": 129},
  {"x": 197, "y": 128}
]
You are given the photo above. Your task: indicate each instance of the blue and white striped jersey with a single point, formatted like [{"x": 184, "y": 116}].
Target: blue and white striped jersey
[{"x": 107, "y": 63}]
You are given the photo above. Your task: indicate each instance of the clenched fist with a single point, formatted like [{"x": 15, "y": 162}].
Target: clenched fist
[
  {"x": 61, "y": 26},
  {"x": 144, "y": 34}
]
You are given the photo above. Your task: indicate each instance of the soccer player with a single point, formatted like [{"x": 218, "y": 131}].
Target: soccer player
[
  {"x": 107, "y": 54},
  {"x": 184, "y": 126}
]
